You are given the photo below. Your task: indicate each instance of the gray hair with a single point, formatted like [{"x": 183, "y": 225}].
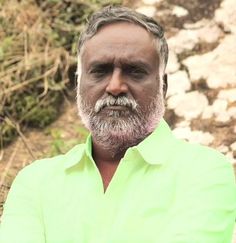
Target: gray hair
[{"x": 112, "y": 14}]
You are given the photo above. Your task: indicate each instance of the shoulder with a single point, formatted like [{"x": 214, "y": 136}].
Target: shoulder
[
  {"x": 195, "y": 156},
  {"x": 47, "y": 168},
  {"x": 196, "y": 161}
]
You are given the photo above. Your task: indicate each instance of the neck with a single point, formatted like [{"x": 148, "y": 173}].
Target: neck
[
  {"x": 107, "y": 158},
  {"x": 114, "y": 151},
  {"x": 106, "y": 154}
]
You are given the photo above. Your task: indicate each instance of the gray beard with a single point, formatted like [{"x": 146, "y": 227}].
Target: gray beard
[{"x": 121, "y": 129}]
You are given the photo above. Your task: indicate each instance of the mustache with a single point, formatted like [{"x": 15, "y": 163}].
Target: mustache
[{"x": 113, "y": 101}]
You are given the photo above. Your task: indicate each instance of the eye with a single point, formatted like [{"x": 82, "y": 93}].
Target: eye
[
  {"x": 136, "y": 72},
  {"x": 100, "y": 71}
]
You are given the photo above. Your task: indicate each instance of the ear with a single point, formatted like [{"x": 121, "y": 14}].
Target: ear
[{"x": 165, "y": 84}]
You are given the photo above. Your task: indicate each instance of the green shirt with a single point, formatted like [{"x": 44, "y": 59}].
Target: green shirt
[{"x": 164, "y": 191}]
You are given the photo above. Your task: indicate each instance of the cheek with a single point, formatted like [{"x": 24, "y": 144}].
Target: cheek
[
  {"x": 146, "y": 92},
  {"x": 85, "y": 86},
  {"x": 146, "y": 96},
  {"x": 90, "y": 93}
]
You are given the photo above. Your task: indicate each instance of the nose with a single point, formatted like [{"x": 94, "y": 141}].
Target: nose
[{"x": 117, "y": 85}]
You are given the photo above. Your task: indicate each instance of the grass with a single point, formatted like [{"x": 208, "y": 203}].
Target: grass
[{"x": 61, "y": 145}]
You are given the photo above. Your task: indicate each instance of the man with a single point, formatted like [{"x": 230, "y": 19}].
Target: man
[{"x": 132, "y": 181}]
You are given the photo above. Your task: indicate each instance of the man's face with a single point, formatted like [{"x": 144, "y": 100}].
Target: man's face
[{"x": 119, "y": 92}]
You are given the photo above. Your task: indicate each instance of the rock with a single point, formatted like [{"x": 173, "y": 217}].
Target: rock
[
  {"x": 188, "y": 105},
  {"x": 232, "y": 112},
  {"x": 233, "y": 146},
  {"x": 173, "y": 64},
  {"x": 230, "y": 156},
  {"x": 204, "y": 138},
  {"x": 216, "y": 67},
  {"x": 214, "y": 33},
  {"x": 208, "y": 112},
  {"x": 234, "y": 155},
  {"x": 183, "y": 41},
  {"x": 178, "y": 83},
  {"x": 219, "y": 109},
  {"x": 223, "y": 117},
  {"x": 198, "y": 66},
  {"x": 219, "y": 106},
  {"x": 182, "y": 132},
  {"x": 196, "y": 25},
  {"x": 193, "y": 136},
  {"x": 226, "y": 15},
  {"x": 183, "y": 123},
  {"x": 179, "y": 11},
  {"x": 234, "y": 129},
  {"x": 228, "y": 94},
  {"x": 186, "y": 39},
  {"x": 147, "y": 10},
  {"x": 151, "y": 2},
  {"x": 223, "y": 149},
  {"x": 163, "y": 13}
]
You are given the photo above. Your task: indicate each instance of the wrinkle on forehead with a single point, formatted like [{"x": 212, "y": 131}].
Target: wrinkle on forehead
[
  {"x": 122, "y": 39},
  {"x": 120, "y": 32}
]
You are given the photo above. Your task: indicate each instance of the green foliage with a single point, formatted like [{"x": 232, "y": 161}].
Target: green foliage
[
  {"x": 42, "y": 113},
  {"x": 59, "y": 145},
  {"x": 38, "y": 47},
  {"x": 67, "y": 18},
  {"x": 8, "y": 133},
  {"x": 6, "y": 44}
]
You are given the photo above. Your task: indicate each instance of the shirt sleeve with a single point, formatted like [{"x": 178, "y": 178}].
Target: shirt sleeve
[
  {"x": 205, "y": 209},
  {"x": 21, "y": 221}
]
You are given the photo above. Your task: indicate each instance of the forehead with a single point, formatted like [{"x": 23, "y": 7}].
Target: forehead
[{"x": 120, "y": 41}]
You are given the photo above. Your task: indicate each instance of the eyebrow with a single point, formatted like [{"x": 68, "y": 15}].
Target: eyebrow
[
  {"x": 139, "y": 64},
  {"x": 123, "y": 63}
]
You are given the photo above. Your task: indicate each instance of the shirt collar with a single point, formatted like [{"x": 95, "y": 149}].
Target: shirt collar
[
  {"x": 74, "y": 156},
  {"x": 154, "y": 149}
]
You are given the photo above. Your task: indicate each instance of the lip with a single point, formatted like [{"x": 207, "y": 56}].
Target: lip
[{"x": 116, "y": 107}]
